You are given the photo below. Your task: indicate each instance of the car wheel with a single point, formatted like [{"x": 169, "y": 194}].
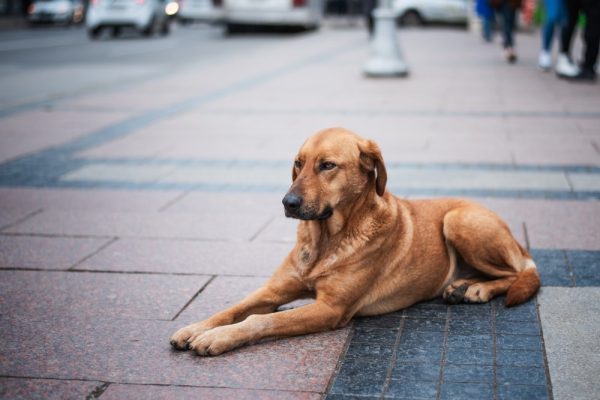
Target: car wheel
[
  {"x": 94, "y": 33},
  {"x": 411, "y": 18},
  {"x": 165, "y": 28},
  {"x": 149, "y": 30},
  {"x": 116, "y": 31}
]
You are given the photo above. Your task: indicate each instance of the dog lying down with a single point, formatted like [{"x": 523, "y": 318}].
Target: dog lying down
[{"x": 362, "y": 251}]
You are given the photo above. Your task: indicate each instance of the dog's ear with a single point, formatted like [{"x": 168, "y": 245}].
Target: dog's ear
[{"x": 372, "y": 161}]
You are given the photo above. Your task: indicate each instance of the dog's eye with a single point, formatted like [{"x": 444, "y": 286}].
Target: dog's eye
[
  {"x": 298, "y": 164},
  {"x": 326, "y": 166}
]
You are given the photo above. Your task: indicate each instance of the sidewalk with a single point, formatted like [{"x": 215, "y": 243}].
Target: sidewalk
[{"x": 125, "y": 215}]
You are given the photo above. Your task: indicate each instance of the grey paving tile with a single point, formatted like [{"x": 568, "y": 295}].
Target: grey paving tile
[
  {"x": 50, "y": 389},
  {"x": 364, "y": 334},
  {"x": 523, "y": 312},
  {"x": 360, "y": 378},
  {"x": 137, "y": 352},
  {"x": 45, "y": 252},
  {"x": 584, "y": 182},
  {"x": 466, "y": 391},
  {"x": 13, "y": 214},
  {"x": 390, "y": 320},
  {"x": 552, "y": 266},
  {"x": 478, "y": 326},
  {"x": 360, "y": 349},
  {"x": 190, "y": 256},
  {"x": 427, "y": 325},
  {"x": 422, "y": 354},
  {"x": 39, "y": 293},
  {"x": 149, "y": 392},
  {"x": 520, "y": 358},
  {"x": 476, "y": 341},
  {"x": 570, "y": 320},
  {"x": 517, "y": 327},
  {"x": 521, "y": 342},
  {"x": 586, "y": 267},
  {"x": 481, "y": 356},
  {"x": 118, "y": 173}
]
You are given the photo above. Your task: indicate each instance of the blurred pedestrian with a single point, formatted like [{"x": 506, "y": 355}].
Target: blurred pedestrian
[
  {"x": 508, "y": 10},
  {"x": 554, "y": 16},
  {"x": 591, "y": 38},
  {"x": 486, "y": 13}
]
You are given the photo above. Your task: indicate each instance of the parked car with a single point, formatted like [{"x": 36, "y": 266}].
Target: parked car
[
  {"x": 294, "y": 13},
  {"x": 419, "y": 12},
  {"x": 55, "y": 11},
  {"x": 200, "y": 10},
  {"x": 146, "y": 16}
]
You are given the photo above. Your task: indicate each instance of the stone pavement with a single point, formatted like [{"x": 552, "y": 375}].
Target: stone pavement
[{"x": 125, "y": 215}]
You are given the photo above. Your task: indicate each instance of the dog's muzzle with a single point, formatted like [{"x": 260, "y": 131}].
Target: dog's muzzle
[{"x": 293, "y": 209}]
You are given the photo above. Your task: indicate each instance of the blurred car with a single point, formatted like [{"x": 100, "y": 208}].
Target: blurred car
[
  {"x": 146, "y": 16},
  {"x": 294, "y": 13},
  {"x": 200, "y": 10},
  {"x": 419, "y": 12},
  {"x": 55, "y": 11}
]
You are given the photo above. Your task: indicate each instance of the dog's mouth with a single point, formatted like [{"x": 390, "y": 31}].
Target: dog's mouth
[{"x": 310, "y": 215}]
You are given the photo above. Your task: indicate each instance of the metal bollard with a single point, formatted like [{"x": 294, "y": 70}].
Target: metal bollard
[{"x": 386, "y": 58}]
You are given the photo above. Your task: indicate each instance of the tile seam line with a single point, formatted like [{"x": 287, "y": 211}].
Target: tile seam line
[
  {"x": 151, "y": 384},
  {"x": 190, "y": 301},
  {"x": 393, "y": 357},
  {"x": 93, "y": 253},
  {"x": 548, "y": 383},
  {"x": 20, "y": 220},
  {"x": 340, "y": 363}
]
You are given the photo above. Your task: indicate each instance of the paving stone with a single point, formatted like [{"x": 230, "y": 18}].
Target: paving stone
[
  {"x": 478, "y": 326},
  {"x": 482, "y": 356},
  {"x": 468, "y": 373},
  {"x": 39, "y": 293},
  {"x": 390, "y": 320},
  {"x": 45, "y": 252},
  {"x": 406, "y": 372},
  {"x": 419, "y": 324},
  {"x": 88, "y": 199},
  {"x": 220, "y": 203},
  {"x": 520, "y": 358},
  {"x": 280, "y": 229},
  {"x": 360, "y": 376},
  {"x": 118, "y": 173},
  {"x": 466, "y": 311},
  {"x": 523, "y": 312},
  {"x": 466, "y": 391},
  {"x": 47, "y": 389},
  {"x": 552, "y": 267},
  {"x": 513, "y": 375},
  {"x": 439, "y": 311},
  {"x": 517, "y": 327},
  {"x": 586, "y": 267},
  {"x": 364, "y": 334},
  {"x": 476, "y": 341},
  {"x": 570, "y": 319},
  {"x": 11, "y": 215},
  {"x": 522, "y": 392},
  {"x": 153, "y": 225},
  {"x": 584, "y": 182},
  {"x": 421, "y": 354},
  {"x": 521, "y": 342},
  {"x": 149, "y": 392},
  {"x": 138, "y": 352},
  {"x": 190, "y": 256},
  {"x": 411, "y": 390},
  {"x": 361, "y": 349},
  {"x": 410, "y": 338}
]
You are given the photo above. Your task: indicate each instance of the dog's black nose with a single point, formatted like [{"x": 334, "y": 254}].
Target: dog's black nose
[{"x": 292, "y": 201}]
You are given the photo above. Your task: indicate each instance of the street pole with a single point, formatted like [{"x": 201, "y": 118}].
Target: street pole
[{"x": 386, "y": 58}]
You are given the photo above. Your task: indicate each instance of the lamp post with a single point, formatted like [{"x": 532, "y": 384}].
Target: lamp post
[{"x": 386, "y": 58}]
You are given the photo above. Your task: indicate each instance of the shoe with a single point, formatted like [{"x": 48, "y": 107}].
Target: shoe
[
  {"x": 565, "y": 67},
  {"x": 510, "y": 55},
  {"x": 545, "y": 60},
  {"x": 585, "y": 75}
]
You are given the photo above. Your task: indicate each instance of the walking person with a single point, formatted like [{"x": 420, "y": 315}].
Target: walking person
[
  {"x": 508, "y": 10},
  {"x": 591, "y": 38},
  {"x": 486, "y": 13},
  {"x": 555, "y": 16}
]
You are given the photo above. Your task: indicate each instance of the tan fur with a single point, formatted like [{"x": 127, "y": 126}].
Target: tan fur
[{"x": 362, "y": 251}]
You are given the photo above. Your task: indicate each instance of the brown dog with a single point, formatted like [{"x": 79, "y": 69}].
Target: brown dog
[{"x": 362, "y": 251}]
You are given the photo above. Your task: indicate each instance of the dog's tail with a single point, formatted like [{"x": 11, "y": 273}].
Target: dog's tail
[{"x": 525, "y": 287}]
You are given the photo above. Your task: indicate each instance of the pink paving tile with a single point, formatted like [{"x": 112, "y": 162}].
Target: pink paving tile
[
  {"x": 47, "y": 389},
  {"x": 149, "y": 392},
  {"x": 222, "y": 203},
  {"x": 198, "y": 257},
  {"x": 280, "y": 229},
  {"x": 88, "y": 199},
  {"x": 12, "y": 213},
  {"x": 45, "y": 252},
  {"x": 221, "y": 293},
  {"x": 138, "y": 351},
  {"x": 232, "y": 226},
  {"x": 89, "y": 295},
  {"x": 561, "y": 224}
]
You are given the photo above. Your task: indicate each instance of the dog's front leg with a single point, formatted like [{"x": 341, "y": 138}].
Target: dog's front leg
[
  {"x": 280, "y": 289},
  {"x": 315, "y": 317}
]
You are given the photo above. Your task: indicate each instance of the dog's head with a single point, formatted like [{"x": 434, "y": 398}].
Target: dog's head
[{"x": 332, "y": 169}]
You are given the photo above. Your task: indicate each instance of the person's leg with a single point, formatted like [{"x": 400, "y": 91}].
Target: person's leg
[
  {"x": 591, "y": 9},
  {"x": 572, "y": 11},
  {"x": 487, "y": 22},
  {"x": 508, "y": 23},
  {"x": 552, "y": 17}
]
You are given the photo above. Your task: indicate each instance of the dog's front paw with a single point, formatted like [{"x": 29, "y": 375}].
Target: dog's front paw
[
  {"x": 215, "y": 341},
  {"x": 181, "y": 339}
]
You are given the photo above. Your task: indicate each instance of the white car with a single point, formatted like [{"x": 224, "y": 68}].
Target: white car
[
  {"x": 418, "y": 12},
  {"x": 298, "y": 13},
  {"x": 55, "y": 11},
  {"x": 200, "y": 10},
  {"x": 146, "y": 16}
]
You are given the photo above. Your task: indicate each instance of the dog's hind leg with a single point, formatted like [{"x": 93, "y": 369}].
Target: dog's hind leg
[{"x": 485, "y": 243}]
